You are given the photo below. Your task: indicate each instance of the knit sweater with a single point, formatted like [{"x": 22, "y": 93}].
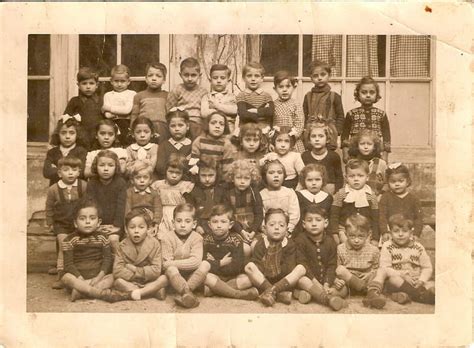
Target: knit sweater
[
  {"x": 221, "y": 150},
  {"x": 258, "y": 99},
  {"x": 287, "y": 259},
  {"x": 150, "y": 103},
  {"x": 165, "y": 150},
  {"x": 391, "y": 204},
  {"x": 185, "y": 254},
  {"x": 332, "y": 163},
  {"x": 189, "y": 99},
  {"x": 149, "y": 199},
  {"x": 284, "y": 198},
  {"x": 363, "y": 260},
  {"x": 120, "y": 103},
  {"x": 50, "y": 166},
  {"x": 215, "y": 250}
]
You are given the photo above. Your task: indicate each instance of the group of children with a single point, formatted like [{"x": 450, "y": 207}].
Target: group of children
[{"x": 243, "y": 196}]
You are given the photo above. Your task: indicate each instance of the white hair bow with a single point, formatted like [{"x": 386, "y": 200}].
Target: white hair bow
[
  {"x": 67, "y": 117},
  {"x": 177, "y": 108},
  {"x": 394, "y": 165}
]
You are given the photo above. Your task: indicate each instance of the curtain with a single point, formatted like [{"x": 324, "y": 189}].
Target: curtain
[
  {"x": 362, "y": 57},
  {"x": 328, "y": 48},
  {"x": 410, "y": 56}
]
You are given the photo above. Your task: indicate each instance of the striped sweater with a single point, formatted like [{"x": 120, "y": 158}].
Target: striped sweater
[
  {"x": 186, "y": 254},
  {"x": 258, "y": 99},
  {"x": 190, "y": 100},
  {"x": 150, "y": 103},
  {"x": 221, "y": 150}
]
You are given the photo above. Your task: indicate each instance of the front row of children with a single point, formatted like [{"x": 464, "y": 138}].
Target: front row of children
[{"x": 310, "y": 264}]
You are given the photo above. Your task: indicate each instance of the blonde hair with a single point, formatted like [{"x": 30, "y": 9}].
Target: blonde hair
[{"x": 241, "y": 166}]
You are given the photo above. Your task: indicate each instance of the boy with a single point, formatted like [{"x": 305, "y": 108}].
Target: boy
[
  {"x": 87, "y": 104},
  {"x": 220, "y": 99},
  {"x": 151, "y": 102},
  {"x": 254, "y": 104},
  {"x": 405, "y": 264},
  {"x": 137, "y": 265},
  {"x": 119, "y": 102},
  {"x": 61, "y": 202},
  {"x": 187, "y": 95},
  {"x": 224, "y": 258},
  {"x": 316, "y": 251},
  {"x": 88, "y": 259},
  {"x": 273, "y": 269},
  {"x": 182, "y": 256}
]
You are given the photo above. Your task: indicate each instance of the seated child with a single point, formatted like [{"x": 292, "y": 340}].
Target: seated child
[
  {"x": 182, "y": 256},
  {"x": 137, "y": 265},
  {"x": 405, "y": 264},
  {"x": 224, "y": 258},
  {"x": 88, "y": 259},
  {"x": 61, "y": 202},
  {"x": 273, "y": 269}
]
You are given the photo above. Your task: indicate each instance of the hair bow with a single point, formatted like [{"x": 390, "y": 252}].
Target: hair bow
[
  {"x": 177, "y": 108},
  {"x": 266, "y": 130},
  {"x": 66, "y": 117},
  {"x": 271, "y": 132},
  {"x": 394, "y": 165},
  {"x": 292, "y": 132}
]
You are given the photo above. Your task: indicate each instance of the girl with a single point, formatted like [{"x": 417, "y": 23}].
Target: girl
[
  {"x": 275, "y": 195},
  {"x": 317, "y": 138},
  {"x": 172, "y": 190},
  {"x": 251, "y": 144},
  {"x": 109, "y": 190},
  {"x": 106, "y": 138},
  {"x": 67, "y": 140},
  {"x": 399, "y": 200},
  {"x": 366, "y": 146},
  {"x": 283, "y": 142},
  {"x": 366, "y": 117},
  {"x": 144, "y": 148},
  {"x": 288, "y": 113}
]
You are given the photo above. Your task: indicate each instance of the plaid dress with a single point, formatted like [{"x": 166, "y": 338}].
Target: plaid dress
[{"x": 290, "y": 114}]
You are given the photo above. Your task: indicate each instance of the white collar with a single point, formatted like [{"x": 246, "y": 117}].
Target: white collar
[
  {"x": 147, "y": 190},
  {"x": 365, "y": 189},
  {"x": 284, "y": 242},
  {"x": 259, "y": 90},
  {"x": 315, "y": 198},
  {"x": 358, "y": 197},
  {"x": 136, "y": 147},
  {"x": 62, "y": 185},
  {"x": 185, "y": 141},
  {"x": 319, "y": 157},
  {"x": 223, "y": 92}
]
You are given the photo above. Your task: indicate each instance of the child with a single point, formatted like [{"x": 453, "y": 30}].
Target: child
[
  {"x": 356, "y": 197},
  {"x": 187, "y": 96},
  {"x": 66, "y": 139},
  {"x": 366, "y": 116},
  {"x": 357, "y": 259},
  {"x": 141, "y": 195},
  {"x": 273, "y": 268},
  {"x": 182, "y": 256},
  {"x": 399, "y": 200},
  {"x": 275, "y": 195},
  {"x": 251, "y": 144},
  {"x": 288, "y": 113},
  {"x": 87, "y": 258},
  {"x": 61, "y": 202},
  {"x": 220, "y": 99},
  {"x": 283, "y": 141},
  {"x": 178, "y": 124},
  {"x": 254, "y": 104},
  {"x": 119, "y": 102},
  {"x": 316, "y": 251},
  {"x": 106, "y": 139},
  {"x": 172, "y": 190},
  {"x": 224, "y": 259},
  {"x": 87, "y": 104},
  {"x": 109, "y": 190},
  {"x": 151, "y": 103},
  {"x": 406, "y": 266},
  {"x": 137, "y": 265},
  {"x": 366, "y": 146},
  {"x": 322, "y": 104},
  {"x": 144, "y": 148},
  {"x": 317, "y": 140}
]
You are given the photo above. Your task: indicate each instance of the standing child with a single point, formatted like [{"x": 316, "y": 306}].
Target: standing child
[
  {"x": 288, "y": 113},
  {"x": 87, "y": 258},
  {"x": 316, "y": 251},
  {"x": 366, "y": 116},
  {"x": 187, "y": 96},
  {"x": 119, "y": 102},
  {"x": 109, "y": 190},
  {"x": 137, "y": 265},
  {"x": 143, "y": 148},
  {"x": 251, "y": 145},
  {"x": 182, "y": 256},
  {"x": 87, "y": 104},
  {"x": 356, "y": 197},
  {"x": 273, "y": 268},
  {"x": 61, "y": 202},
  {"x": 405, "y": 264},
  {"x": 151, "y": 103},
  {"x": 322, "y": 104},
  {"x": 106, "y": 139},
  {"x": 277, "y": 196},
  {"x": 220, "y": 98},
  {"x": 66, "y": 140},
  {"x": 399, "y": 200},
  {"x": 317, "y": 139}
]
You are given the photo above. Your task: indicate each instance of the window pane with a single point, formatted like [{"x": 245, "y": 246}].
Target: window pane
[
  {"x": 38, "y": 54},
  {"x": 365, "y": 53},
  {"x": 98, "y": 52},
  {"x": 279, "y": 52},
  {"x": 327, "y": 48},
  {"x": 38, "y": 110},
  {"x": 137, "y": 86},
  {"x": 138, "y": 50},
  {"x": 410, "y": 56}
]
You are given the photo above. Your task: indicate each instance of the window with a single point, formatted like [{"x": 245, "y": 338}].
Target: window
[{"x": 280, "y": 53}]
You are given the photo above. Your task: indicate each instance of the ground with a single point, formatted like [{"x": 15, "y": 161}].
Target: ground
[{"x": 41, "y": 298}]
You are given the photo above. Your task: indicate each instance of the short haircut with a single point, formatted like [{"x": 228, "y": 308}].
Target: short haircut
[
  {"x": 283, "y": 75},
  {"x": 156, "y": 65},
  {"x": 357, "y": 164},
  {"x": 253, "y": 65},
  {"x": 319, "y": 64},
  {"x": 138, "y": 166},
  {"x": 320, "y": 124},
  {"x": 70, "y": 161},
  {"x": 184, "y": 208},
  {"x": 207, "y": 162},
  {"x": 55, "y": 141},
  {"x": 354, "y": 144},
  {"x": 220, "y": 67},
  {"x": 190, "y": 62},
  {"x": 399, "y": 220},
  {"x": 314, "y": 209},
  {"x": 177, "y": 114},
  {"x": 313, "y": 167},
  {"x": 401, "y": 169},
  {"x": 177, "y": 161},
  {"x": 87, "y": 203},
  {"x": 107, "y": 154},
  {"x": 367, "y": 80},
  {"x": 267, "y": 165},
  {"x": 221, "y": 209},
  {"x": 138, "y": 212},
  {"x": 242, "y": 166},
  {"x": 86, "y": 73},
  {"x": 205, "y": 124},
  {"x": 275, "y": 211},
  {"x": 358, "y": 222},
  {"x": 120, "y": 69},
  {"x": 282, "y": 131}
]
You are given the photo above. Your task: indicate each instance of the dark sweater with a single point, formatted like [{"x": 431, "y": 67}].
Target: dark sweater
[
  {"x": 288, "y": 257},
  {"x": 409, "y": 206},
  {"x": 332, "y": 163},
  {"x": 54, "y": 155},
  {"x": 164, "y": 152},
  {"x": 219, "y": 248}
]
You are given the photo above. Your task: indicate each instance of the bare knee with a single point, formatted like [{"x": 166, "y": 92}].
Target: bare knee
[
  {"x": 172, "y": 270},
  {"x": 205, "y": 266},
  {"x": 250, "y": 267}
]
